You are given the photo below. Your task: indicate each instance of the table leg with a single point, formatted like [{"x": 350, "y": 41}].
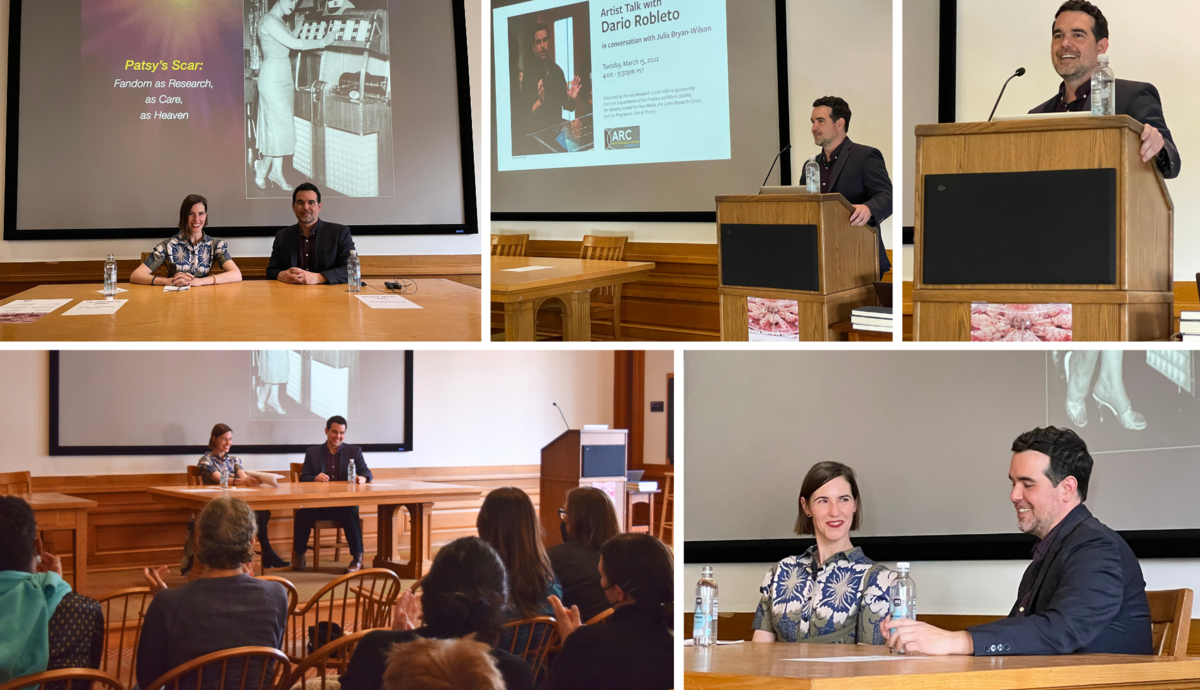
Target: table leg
[
  {"x": 80, "y": 546},
  {"x": 650, "y": 517},
  {"x": 520, "y": 321},
  {"x": 577, "y": 317},
  {"x": 420, "y": 540}
]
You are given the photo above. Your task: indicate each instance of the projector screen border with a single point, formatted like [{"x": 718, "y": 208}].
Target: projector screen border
[
  {"x": 57, "y": 449},
  {"x": 469, "y": 226}
]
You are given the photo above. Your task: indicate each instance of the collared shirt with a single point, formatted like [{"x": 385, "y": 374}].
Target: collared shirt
[
  {"x": 1082, "y": 99},
  {"x": 1039, "y": 554},
  {"x": 827, "y": 166},
  {"x": 839, "y": 601},
  {"x": 212, "y": 462},
  {"x": 331, "y": 462},
  {"x": 181, "y": 255},
  {"x": 307, "y": 246}
]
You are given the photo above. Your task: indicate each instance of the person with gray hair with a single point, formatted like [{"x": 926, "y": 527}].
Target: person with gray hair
[{"x": 223, "y": 609}]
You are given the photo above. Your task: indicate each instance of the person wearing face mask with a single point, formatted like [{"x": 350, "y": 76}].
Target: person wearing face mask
[
  {"x": 1083, "y": 593},
  {"x": 831, "y": 593},
  {"x": 588, "y": 521},
  {"x": 1080, "y": 34}
]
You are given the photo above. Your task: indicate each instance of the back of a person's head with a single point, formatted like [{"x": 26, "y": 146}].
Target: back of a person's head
[
  {"x": 226, "y": 530},
  {"x": 18, "y": 531},
  {"x": 641, "y": 566},
  {"x": 508, "y": 521},
  {"x": 426, "y": 664},
  {"x": 465, "y": 591},
  {"x": 591, "y": 517}
]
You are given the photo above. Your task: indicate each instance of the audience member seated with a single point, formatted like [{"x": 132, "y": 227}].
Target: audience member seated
[
  {"x": 223, "y": 609},
  {"x": 462, "y": 664},
  {"x": 588, "y": 520},
  {"x": 463, "y": 594},
  {"x": 43, "y": 624},
  {"x": 633, "y": 648},
  {"x": 190, "y": 254}
]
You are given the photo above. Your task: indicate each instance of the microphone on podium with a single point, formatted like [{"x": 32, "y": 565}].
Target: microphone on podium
[
  {"x": 560, "y": 413},
  {"x": 781, "y": 151},
  {"x": 1019, "y": 73}
]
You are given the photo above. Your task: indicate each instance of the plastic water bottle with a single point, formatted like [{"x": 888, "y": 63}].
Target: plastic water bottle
[
  {"x": 1104, "y": 89},
  {"x": 704, "y": 629},
  {"x": 354, "y": 272},
  {"x": 224, "y": 477},
  {"x": 110, "y": 276},
  {"x": 812, "y": 176},
  {"x": 903, "y": 597},
  {"x": 352, "y": 473}
]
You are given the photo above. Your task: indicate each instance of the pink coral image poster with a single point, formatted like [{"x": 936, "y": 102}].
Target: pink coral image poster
[
  {"x": 1020, "y": 323},
  {"x": 773, "y": 320}
]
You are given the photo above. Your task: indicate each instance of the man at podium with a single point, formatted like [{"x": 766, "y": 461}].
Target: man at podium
[
  {"x": 855, "y": 171},
  {"x": 1080, "y": 35}
]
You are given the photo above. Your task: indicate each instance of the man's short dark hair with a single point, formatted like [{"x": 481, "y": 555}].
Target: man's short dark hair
[
  {"x": 1067, "y": 452},
  {"x": 336, "y": 419},
  {"x": 840, "y": 108},
  {"x": 1099, "y": 23},
  {"x": 540, "y": 27},
  {"x": 18, "y": 531},
  {"x": 306, "y": 187}
]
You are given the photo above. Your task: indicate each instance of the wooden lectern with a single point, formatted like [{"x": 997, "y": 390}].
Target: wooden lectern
[
  {"x": 798, "y": 247},
  {"x": 1042, "y": 211},
  {"x": 582, "y": 458}
]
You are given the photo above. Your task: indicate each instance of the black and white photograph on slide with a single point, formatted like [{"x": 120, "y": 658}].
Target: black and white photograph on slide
[
  {"x": 550, "y": 59},
  {"x": 303, "y": 385},
  {"x": 318, "y": 97}
]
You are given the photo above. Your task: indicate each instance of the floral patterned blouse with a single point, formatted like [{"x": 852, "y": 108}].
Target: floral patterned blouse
[
  {"x": 180, "y": 254},
  {"x": 839, "y": 602},
  {"x": 211, "y": 462}
]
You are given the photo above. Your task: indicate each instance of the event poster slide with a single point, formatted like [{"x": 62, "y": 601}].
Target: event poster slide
[{"x": 610, "y": 83}]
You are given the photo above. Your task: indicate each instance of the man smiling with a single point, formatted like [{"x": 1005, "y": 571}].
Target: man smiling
[
  {"x": 1082, "y": 594},
  {"x": 1080, "y": 35}
]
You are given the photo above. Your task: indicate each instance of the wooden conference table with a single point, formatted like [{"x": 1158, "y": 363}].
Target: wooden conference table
[
  {"x": 255, "y": 310},
  {"x": 61, "y": 512},
  {"x": 570, "y": 280},
  {"x": 389, "y": 494},
  {"x": 771, "y": 666}
]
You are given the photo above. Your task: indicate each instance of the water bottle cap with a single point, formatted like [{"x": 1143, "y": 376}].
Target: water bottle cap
[
  {"x": 706, "y": 570},
  {"x": 1102, "y": 59},
  {"x": 353, "y": 252},
  {"x": 902, "y": 565}
]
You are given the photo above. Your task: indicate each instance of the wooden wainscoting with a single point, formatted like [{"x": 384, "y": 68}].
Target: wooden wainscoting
[
  {"x": 129, "y": 529},
  {"x": 20, "y": 276}
]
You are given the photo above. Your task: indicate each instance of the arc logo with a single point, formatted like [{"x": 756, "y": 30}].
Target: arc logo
[{"x": 618, "y": 138}]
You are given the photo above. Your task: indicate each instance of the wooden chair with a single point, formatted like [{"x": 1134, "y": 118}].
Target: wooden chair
[
  {"x": 600, "y": 248},
  {"x": 123, "y": 614},
  {"x": 15, "y": 483},
  {"x": 509, "y": 245},
  {"x": 339, "y": 538},
  {"x": 313, "y": 673},
  {"x": 541, "y": 633},
  {"x": 193, "y": 476},
  {"x": 355, "y": 601},
  {"x": 292, "y": 592},
  {"x": 667, "y": 522},
  {"x": 273, "y": 666},
  {"x": 599, "y": 617},
  {"x": 50, "y": 680},
  {"x": 1170, "y": 621}
]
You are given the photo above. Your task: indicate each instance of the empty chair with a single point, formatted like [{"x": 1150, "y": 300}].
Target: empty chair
[{"x": 509, "y": 245}]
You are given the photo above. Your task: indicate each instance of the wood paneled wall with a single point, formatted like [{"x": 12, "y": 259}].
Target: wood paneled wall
[
  {"x": 21, "y": 276},
  {"x": 129, "y": 529}
]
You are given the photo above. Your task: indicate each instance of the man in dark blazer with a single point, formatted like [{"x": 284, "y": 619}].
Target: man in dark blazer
[
  {"x": 330, "y": 462},
  {"x": 312, "y": 251},
  {"x": 855, "y": 171},
  {"x": 1083, "y": 593},
  {"x": 1080, "y": 35}
]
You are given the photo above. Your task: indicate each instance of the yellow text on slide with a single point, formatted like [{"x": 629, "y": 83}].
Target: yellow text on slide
[{"x": 176, "y": 65}]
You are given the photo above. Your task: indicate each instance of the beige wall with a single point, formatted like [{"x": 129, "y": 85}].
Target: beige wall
[{"x": 659, "y": 363}]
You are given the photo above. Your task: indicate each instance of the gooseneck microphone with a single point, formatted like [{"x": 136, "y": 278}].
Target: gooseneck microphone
[
  {"x": 785, "y": 148},
  {"x": 560, "y": 413},
  {"x": 1019, "y": 73}
]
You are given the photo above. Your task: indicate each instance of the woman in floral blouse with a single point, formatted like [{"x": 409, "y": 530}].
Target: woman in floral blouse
[
  {"x": 191, "y": 254},
  {"x": 831, "y": 593}
]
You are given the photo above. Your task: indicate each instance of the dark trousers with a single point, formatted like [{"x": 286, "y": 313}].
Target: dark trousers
[
  {"x": 346, "y": 516},
  {"x": 263, "y": 517}
]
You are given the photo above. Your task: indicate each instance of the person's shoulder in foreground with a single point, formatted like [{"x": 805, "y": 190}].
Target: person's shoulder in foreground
[{"x": 370, "y": 661}]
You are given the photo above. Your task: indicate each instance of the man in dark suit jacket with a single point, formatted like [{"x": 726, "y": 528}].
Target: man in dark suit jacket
[
  {"x": 312, "y": 251},
  {"x": 330, "y": 462},
  {"x": 1082, "y": 594},
  {"x": 855, "y": 171},
  {"x": 1080, "y": 35}
]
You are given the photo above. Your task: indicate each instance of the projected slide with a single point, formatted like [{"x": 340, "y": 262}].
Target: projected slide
[
  {"x": 610, "y": 83},
  {"x": 303, "y": 385}
]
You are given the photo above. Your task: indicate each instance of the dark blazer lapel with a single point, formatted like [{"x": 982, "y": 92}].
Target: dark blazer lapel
[
  {"x": 839, "y": 165},
  {"x": 1078, "y": 519}
]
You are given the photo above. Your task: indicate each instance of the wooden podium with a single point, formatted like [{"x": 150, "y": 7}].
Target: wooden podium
[
  {"x": 798, "y": 247},
  {"x": 1042, "y": 211},
  {"x": 582, "y": 458}
]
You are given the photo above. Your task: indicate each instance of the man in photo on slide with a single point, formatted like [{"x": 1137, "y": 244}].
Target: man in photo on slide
[
  {"x": 312, "y": 251},
  {"x": 544, "y": 89}
]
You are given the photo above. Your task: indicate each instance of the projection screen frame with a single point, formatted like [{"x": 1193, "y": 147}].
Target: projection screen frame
[
  {"x": 57, "y": 449},
  {"x": 469, "y": 226},
  {"x": 785, "y": 158}
]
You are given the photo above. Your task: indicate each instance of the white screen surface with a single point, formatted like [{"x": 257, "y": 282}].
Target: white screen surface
[{"x": 928, "y": 434}]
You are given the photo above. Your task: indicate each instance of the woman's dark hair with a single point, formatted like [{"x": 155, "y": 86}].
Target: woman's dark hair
[
  {"x": 465, "y": 591},
  {"x": 218, "y": 431},
  {"x": 509, "y": 523},
  {"x": 1099, "y": 23},
  {"x": 643, "y": 567},
  {"x": 226, "y": 529},
  {"x": 819, "y": 475},
  {"x": 18, "y": 532},
  {"x": 1068, "y": 455},
  {"x": 591, "y": 517},
  {"x": 186, "y": 207}
]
